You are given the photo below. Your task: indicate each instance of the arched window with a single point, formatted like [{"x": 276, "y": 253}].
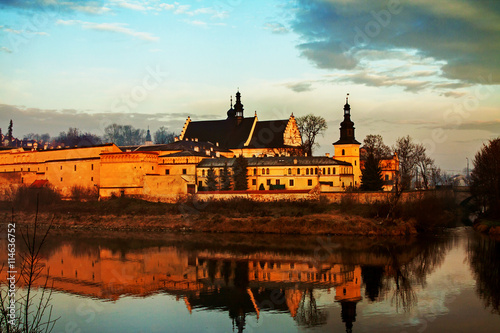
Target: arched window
[
  {"x": 324, "y": 171},
  {"x": 267, "y": 170},
  {"x": 263, "y": 171},
  {"x": 203, "y": 173},
  {"x": 315, "y": 171},
  {"x": 329, "y": 170},
  {"x": 343, "y": 152},
  {"x": 333, "y": 170},
  {"x": 289, "y": 171},
  {"x": 255, "y": 171},
  {"x": 298, "y": 171},
  {"x": 355, "y": 162},
  {"x": 312, "y": 171},
  {"x": 307, "y": 171}
]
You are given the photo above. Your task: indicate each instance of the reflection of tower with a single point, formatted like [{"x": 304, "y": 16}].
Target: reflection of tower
[
  {"x": 349, "y": 294},
  {"x": 348, "y": 314}
]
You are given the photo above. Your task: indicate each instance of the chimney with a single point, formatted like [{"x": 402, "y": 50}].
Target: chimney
[
  {"x": 176, "y": 139},
  {"x": 327, "y": 155}
]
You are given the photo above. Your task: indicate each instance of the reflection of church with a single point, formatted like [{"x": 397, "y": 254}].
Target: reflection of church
[{"x": 205, "y": 280}]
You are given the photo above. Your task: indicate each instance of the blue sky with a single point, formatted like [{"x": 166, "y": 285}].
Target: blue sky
[{"x": 429, "y": 68}]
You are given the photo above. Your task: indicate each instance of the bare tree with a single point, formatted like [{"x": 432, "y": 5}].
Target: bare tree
[
  {"x": 406, "y": 150},
  {"x": 374, "y": 144},
  {"x": 310, "y": 126},
  {"x": 163, "y": 136}
]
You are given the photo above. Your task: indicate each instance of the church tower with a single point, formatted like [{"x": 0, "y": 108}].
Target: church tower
[
  {"x": 238, "y": 107},
  {"x": 347, "y": 148},
  {"x": 148, "y": 142}
]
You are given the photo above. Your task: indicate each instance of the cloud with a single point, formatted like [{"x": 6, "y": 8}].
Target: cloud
[
  {"x": 459, "y": 36},
  {"x": 111, "y": 27},
  {"x": 56, "y": 121},
  {"x": 276, "y": 28},
  {"x": 491, "y": 126},
  {"x": 5, "y": 49},
  {"x": 454, "y": 94},
  {"x": 22, "y": 32},
  {"x": 84, "y": 6},
  {"x": 300, "y": 86}
]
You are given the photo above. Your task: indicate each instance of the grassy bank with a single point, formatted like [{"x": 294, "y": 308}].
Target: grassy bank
[{"x": 238, "y": 215}]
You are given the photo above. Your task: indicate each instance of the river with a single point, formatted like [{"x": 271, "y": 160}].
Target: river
[{"x": 164, "y": 282}]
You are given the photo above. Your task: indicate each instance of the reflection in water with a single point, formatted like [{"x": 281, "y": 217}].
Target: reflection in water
[
  {"x": 484, "y": 258},
  {"x": 245, "y": 276}
]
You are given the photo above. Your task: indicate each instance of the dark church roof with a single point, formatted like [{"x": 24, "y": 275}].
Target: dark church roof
[
  {"x": 268, "y": 134},
  {"x": 229, "y": 133}
]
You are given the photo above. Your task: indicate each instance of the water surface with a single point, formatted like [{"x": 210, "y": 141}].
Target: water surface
[{"x": 142, "y": 282}]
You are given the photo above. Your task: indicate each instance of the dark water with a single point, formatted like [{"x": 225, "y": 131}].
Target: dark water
[{"x": 139, "y": 282}]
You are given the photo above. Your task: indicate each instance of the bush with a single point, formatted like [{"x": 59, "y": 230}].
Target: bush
[
  {"x": 80, "y": 193},
  {"x": 26, "y": 198}
]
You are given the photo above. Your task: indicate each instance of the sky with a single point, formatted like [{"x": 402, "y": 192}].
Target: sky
[{"x": 429, "y": 69}]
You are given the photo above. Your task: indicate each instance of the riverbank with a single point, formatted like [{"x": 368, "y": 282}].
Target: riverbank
[
  {"x": 314, "y": 224},
  {"x": 488, "y": 226},
  {"x": 311, "y": 217}
]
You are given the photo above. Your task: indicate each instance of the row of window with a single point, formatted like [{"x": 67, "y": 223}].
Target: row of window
[{"x": 289, "y": 171}]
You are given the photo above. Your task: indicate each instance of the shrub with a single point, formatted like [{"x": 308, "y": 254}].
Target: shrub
[
  {"x": 26, "y": 197},
  {"x": 80, "y": 193}
]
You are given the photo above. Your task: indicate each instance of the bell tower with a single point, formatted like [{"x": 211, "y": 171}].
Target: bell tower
[
  {"x": 347, "y": 147},
  {"x": 238, "y": 107}
]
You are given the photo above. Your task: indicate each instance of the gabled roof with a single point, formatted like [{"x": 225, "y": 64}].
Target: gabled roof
[
  {"x": 39, "y": 183},
  {"x": 229, "y": 133},
  {"x": 268, "y": 134}
]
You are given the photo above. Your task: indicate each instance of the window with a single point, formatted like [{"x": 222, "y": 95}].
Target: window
[
  {"x": 343, "y": 152},
  {"x": 75, "y": 167},
  {"x": 269, "y": 182},
  {"x": 61, "y": 167},
  {"x": 307, "y": 171},
  {"x": 203, "y": 173},
  {"x": 298, "y": 171},
  {"x": 333, "y": 170},
  {"x": 263, "y": 171},
  {"x": 277, "y": 182},
  {"x": 28, "y": 169},
  {"x": 61, "y": 178},
  {"x": 152, "y": 168},
  {"x": 315, "y": 171},
  {"x": 289, "y": 171},
  {"x": 91, "y": 167},
  {"x": 309, "y": 182},
  {"x": 255, "y": 172},
  {"x": 290, "y": 182},
  {"x": 267, "y": 170},
  {"x": 254, "y": 181},
  {"x": 343, "y": 184},
  {"x": 329, "y": 170},
  {"x": 324, "y": 171},
  {"x": 355, "y": 162},
  {"x": 200, "y": 184},
  {"x": 184, "y": 171},
  {"x": 312, "y": 171},
  {"x": 386, "y": 177},
  {"x": 91, "y": 179},
  {"x": 167, "y": 171}
]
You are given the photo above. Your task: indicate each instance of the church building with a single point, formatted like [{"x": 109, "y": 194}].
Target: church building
[{"x": 247, "y": 136}]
